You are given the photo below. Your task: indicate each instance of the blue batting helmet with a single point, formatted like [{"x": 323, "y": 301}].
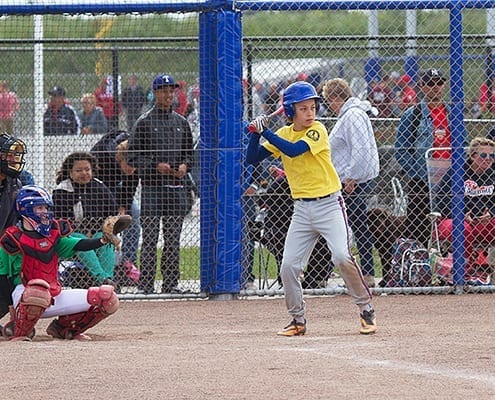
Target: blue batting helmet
[
  {"x": 163, "y": 80},
  {"x": 29, "y": 197},
  {"x": 297, "y": 92}
]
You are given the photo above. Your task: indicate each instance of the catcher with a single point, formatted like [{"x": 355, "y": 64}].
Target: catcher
[{"x": 29, "y": 256}]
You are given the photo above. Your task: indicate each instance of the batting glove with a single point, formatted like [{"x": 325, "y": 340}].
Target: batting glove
[{"x": 259, "y": 124}]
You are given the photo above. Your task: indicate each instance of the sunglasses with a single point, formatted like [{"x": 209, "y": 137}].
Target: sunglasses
[{"x": 487, "y": 155}]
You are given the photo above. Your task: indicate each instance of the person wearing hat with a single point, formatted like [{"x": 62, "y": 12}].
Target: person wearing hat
[
  {"x": 421, "y": 127},
  {"x": 60, "y": 118},
  {"x": 161, "y": 150}
]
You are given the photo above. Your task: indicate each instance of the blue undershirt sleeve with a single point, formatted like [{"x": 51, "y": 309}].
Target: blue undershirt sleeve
[
  {"x": 288, "y": 148},
  {"x": 255, "y": 152}
]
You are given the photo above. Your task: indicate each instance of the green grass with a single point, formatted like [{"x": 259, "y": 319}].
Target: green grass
[
  {"x": 265, "y": 258},
  {"x": 190, "y": 269}
]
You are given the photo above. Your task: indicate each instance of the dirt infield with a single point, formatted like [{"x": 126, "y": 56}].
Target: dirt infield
[{"x": 427, "y": 347}]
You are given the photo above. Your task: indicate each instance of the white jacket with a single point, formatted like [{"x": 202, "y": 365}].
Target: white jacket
[{"x": 352, "y": 143}]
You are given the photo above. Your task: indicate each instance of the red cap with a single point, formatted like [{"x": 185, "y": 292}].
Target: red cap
[
  {"x": 405, "y": 80},
  {"x": 301, "y": 76}
]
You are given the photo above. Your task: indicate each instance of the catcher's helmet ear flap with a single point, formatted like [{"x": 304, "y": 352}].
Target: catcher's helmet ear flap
[
  {"x": 12, "y": 152},
  {"x": 297, "y": 92},
  {"x": 27, "y": 199}
]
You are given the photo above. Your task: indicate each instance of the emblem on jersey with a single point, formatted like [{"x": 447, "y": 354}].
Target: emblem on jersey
[
  {"x": 44, "y": 243},
  {"x": 313, "y": 135}
]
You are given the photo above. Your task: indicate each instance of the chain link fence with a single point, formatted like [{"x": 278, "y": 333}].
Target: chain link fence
[{"x": 97, "y": 58}]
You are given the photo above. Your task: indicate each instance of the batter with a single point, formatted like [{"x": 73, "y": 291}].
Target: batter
[{"x": 319, "y": 208}]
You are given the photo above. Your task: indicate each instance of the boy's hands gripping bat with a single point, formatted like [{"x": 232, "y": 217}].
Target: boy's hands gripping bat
[{"x": 259, "y": 124}]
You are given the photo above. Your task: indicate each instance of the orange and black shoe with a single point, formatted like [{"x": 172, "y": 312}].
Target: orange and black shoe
[
  {"x": 368, "y": 322},
  {"x": 294, "y": 329}
]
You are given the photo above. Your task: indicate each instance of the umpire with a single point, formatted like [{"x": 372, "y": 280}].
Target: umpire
[
  {"x": 12, "y": 151},
  {"x": 161, "y": 149}
]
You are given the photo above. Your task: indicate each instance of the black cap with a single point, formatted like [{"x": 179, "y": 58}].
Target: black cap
[
  {"x": 57, "y": 91},
  {"x": 431, "y": 74}
]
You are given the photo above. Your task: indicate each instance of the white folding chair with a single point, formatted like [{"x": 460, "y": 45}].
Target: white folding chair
[{"x": 436, "y": 168}]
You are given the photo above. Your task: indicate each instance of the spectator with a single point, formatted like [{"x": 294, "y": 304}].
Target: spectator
[
  {"x": 104, "y": 150},
  {"x": 193, "y": 111},
  {"x": 193, "y": 93},
  {"x": 394, "y": 82},
  {"x": 113, "y": 171},
  {"x": 60, "y": 118},
  {"x": 302, "y": 77},
  {"x": 133, "y": 101},
  {"x": 407, "y": 95},
  {"x": 86, "y": 202},
  {"x": 128, "y": 204},
  {"x": 9, "y": 105},
  {"x": 355, "y": 157},
  {"x": 12, "y": 151},
  {"x": 319, "y": 208},
  {"x": 106, "y": 100},
  {"x": 180, "y": 98},
  {"x": 479, "y": 203},
  {"x": 34, "y": 248},
  {"x": 258, "y": 98},
  {"x": 161, "y": 150},
  {"x": 381, "y": 97},
  {"x": 91, "y": 117},
  {"x": 486, "y": 99},
  {"x": 421, "y": 127},
  {"x": 272, "y": 98}
]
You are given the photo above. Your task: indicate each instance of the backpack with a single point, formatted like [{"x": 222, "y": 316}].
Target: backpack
[{"x": 410, "y": 264}]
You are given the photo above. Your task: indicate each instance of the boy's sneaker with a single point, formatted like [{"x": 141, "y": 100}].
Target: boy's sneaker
[
  {"x": 294, "y": 329},
  {"x": 368, "y": 322}
]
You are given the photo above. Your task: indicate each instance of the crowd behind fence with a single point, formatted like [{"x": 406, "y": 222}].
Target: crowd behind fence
[{"x": 380, "y": 74}]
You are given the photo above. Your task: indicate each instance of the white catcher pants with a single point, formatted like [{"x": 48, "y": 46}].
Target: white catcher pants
[{"x": 69, "y": 301}]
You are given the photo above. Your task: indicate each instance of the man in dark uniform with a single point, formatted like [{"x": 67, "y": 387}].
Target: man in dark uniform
[
  {"x": 161, "y": 149},
  {"x": 12, "y": 152}
]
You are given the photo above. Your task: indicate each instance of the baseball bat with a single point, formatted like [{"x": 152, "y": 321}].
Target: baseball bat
[{"x": 278, "y": 111}]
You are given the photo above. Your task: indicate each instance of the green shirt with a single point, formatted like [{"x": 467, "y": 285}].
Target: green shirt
[{"x": 10, "y": 264}]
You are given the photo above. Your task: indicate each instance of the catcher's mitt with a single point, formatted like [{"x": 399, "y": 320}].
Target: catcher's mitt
[{"x": 112, "y": 226}]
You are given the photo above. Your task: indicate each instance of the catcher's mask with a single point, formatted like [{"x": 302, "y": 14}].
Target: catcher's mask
[
  {"x": 27, "y": 199},
  {"x": 297, "y": 92},
  {"x": 12, "y": 152}
]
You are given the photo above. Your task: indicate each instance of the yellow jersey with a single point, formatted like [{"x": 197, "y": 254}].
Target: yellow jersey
[{"x": 312, "y": 173}]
